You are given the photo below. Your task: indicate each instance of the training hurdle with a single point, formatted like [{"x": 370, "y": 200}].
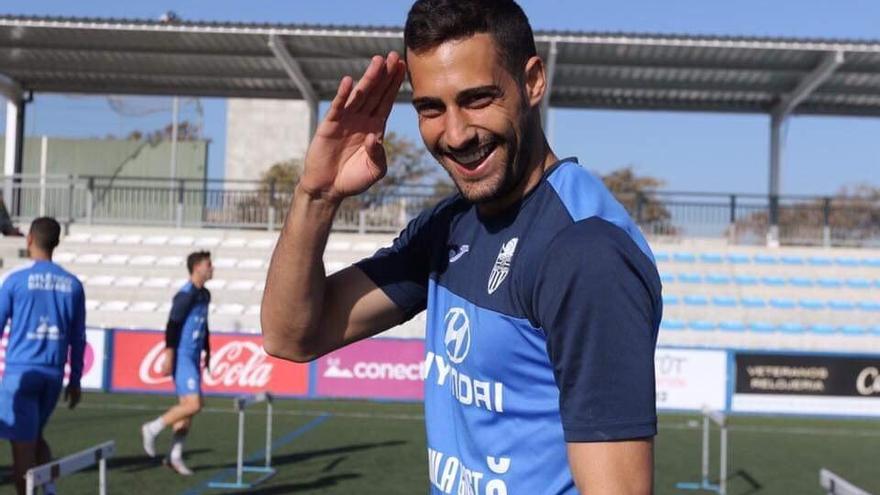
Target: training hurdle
[
  {"x": 240, "y": 404},
  {"x": 836, "y": 485},
  {"x": 720, "y": 420},
  {"x": 37, "y": 477}
]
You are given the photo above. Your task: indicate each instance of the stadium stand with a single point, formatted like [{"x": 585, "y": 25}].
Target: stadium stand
[{"x": 715, "y": 295}]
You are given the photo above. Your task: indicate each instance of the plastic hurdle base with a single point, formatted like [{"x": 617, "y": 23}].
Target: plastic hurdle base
[
  {"x": 266, "y": 470},
  {"x": 267, "y": 473}
]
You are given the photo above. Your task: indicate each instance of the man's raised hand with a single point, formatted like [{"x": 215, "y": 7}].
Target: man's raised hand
[{"x": 346, "y": 155}]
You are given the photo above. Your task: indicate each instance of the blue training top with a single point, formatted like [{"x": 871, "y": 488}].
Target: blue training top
[
  {"x": 47, "y": 306},
  {"x": 187, "y": 329},
  {"x": 542, "y": 324}
]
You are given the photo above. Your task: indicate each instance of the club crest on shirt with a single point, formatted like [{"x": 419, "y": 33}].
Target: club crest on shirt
[{"x": 502, "y": 264}]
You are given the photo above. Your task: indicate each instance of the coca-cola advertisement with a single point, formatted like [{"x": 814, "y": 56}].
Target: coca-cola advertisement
[
  {"x": 238, "y": 365},
  {"x": 94, "y": 359},
  {"x": 375, "y": 369}
]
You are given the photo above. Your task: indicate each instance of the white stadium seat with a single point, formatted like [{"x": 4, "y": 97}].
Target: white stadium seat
[
  {"x": 251, "y": 263},
  {"x": 253, "y": 310},
  {"x": 234, "y": 242},
  {"x": 157, "y": 282},
  {"x": 63, "y": 257},
  {"x": 341, "y": 246},
  {"x": 207, "y": 242},
  {"x": 128, "y": 281},
  {"x": 115, "y": 259},
  {"x": 88, "y": 259},
  {"x": 261, "y": 243},
  {"x": 215, "y": 284},
  {"x": 170, "y": 261},
  {"x": 182, "y": 240},
  {"x": 241, "y": 285},
  {"x": 143, "y": 260},
  {"x": 144, "y": 307},
  {"x": 155, "y": 240},
  {"x": 92, "y": 304},
  {"x": 225, "y": 262},
  {"x": 368, "y": 247},
  {"x": 101, "y": 280},
  {"x": 129, "y": 240},
  {"x": 230, "y": 309},
  {"x": 113, "y": 306},
  {"x": 103, "y": 239},
  {"x": 78, "y": 237}
]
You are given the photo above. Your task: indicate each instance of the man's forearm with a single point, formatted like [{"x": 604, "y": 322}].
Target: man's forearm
[{"x": 294, "y": 292}]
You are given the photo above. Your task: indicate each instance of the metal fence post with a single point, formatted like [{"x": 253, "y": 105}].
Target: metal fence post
[
  {"x": 773, "y": 224},
  {"x": 71, "y": 185},
  {"x": 90, "y": 199},
  {"x": 732, "y": 229},
  {"x": 270, "y": 225},
  {"x": 362, "y": 221},
  {"x": 640, "y": 204},
  {"x": 826, "y": 222},
  {"x": 180, "y": 198}
]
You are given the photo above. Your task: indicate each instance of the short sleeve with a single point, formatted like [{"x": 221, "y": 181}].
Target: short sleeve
[
  {"x": 402, "y": 269},
  {"x": 597, "y": 298}
]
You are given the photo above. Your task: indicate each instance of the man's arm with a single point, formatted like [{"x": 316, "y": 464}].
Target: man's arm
[
  {"x": 623, "y": 467},
  {"x": 597, "y": 297},
  {"x": 180, "y": 308},
  {"x": 77, "y": 348},
  {"x": 304, "y": 313}
]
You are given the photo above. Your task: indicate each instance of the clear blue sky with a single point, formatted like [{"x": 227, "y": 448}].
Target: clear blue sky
[{"x": 690, "y": 151}]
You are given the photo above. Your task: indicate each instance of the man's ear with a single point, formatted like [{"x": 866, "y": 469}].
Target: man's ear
[{"x": 536, "y": 81}]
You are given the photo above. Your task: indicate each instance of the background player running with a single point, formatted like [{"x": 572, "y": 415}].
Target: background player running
[
  {"x": 186, "y": 336},
  {"x": 47, "y": 307}
]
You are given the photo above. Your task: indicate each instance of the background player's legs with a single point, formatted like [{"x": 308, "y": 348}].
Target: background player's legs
[
  {"x": 188, "y": 406},
  {"x": 24, "y": 457}
]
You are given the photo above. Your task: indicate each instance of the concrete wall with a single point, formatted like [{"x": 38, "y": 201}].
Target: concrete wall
[
  {"x": 114, "y": 157},
  {"x": 262, "y": 132}
]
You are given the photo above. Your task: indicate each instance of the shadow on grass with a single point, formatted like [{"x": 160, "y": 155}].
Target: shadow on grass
[
  {"x": 296, "y": 457},
  {"x": 320, "y": 483}
]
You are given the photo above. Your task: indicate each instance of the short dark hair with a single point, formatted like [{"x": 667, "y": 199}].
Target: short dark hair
[
  {"x": 431, "y": 23},
  {"x": 195, "y": 258},
  {"x": 46, "y": 233}
]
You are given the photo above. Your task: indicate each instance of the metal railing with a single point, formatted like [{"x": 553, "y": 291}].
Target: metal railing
[{"x": 740, "y": 218}]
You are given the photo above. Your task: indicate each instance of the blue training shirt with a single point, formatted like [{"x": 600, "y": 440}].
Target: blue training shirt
[
  {"x": 542, "y": 324},
  {"x": 47, "y": 306},
  {"x": 187, "y": 329}
]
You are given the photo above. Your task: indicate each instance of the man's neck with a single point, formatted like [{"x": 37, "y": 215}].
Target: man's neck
[
  {"x": 197, "y": 282},
  {"x": 540, "y": 160},
  {"x": 40, "y": 256}
]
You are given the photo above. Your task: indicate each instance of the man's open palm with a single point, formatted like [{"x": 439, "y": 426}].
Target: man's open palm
[{"x": 346, "y": 155}]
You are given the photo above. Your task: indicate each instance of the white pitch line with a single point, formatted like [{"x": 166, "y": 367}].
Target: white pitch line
[
  {"x": 282, "y": 412},
  {"x": 783, "y": 430}
]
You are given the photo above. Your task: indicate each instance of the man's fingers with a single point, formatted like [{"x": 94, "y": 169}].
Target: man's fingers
[
  {"x": 375, "y": 98},
  {"x": 374, "y": 73},
  {"x": 342, "y": 94},
  {"x": 384, "y": 108}
]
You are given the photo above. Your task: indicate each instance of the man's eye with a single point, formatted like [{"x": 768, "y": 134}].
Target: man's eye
[
  {"x": 480, "y": 102},
  {"x": 429, "y": 112}
]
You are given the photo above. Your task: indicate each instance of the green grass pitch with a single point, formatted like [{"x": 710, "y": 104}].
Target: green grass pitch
[{"x": 344, "y": 447}]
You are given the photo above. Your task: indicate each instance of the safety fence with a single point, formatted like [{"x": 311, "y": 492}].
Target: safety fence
[
  {"x": 739, "y": 218},
  {"x": 688, "y": 379}
]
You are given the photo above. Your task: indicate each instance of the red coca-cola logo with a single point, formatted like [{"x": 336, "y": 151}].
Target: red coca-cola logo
[{"x": 238, "y": 365}]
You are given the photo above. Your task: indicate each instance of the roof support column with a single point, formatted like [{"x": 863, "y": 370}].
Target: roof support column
[
  {"x": 778, "y": 116},
  {"x": 12, "y": 161},
  {"x": 549, "y": 71},
  {"x": 296, "y": 74}
]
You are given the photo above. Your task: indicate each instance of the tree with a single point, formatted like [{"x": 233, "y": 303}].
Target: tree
[
  {"x": 638, "y": 195},
  {"x": 853, "y": 215}
]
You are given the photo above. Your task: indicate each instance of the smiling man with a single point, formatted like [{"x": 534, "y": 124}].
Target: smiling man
[{"x": 542, "y": 295}]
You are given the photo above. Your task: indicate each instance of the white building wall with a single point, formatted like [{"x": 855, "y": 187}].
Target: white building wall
[{"x": 262, "y": 132}]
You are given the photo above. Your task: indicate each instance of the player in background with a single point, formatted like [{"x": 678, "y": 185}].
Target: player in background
[
  {"x": 47, "y": 308},
  {"x": 186, "y": 336}
]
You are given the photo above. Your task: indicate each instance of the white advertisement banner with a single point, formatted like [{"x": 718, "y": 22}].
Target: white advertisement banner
[
  {"x": 691, "y": 379},
  {"x": 94, "y": 361}
]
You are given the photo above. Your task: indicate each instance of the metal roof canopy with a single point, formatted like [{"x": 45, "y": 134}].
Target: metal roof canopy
[{"x": 774, "y": 76}]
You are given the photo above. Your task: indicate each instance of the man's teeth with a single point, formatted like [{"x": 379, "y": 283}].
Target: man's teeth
[{"x": 476, "y": 156}]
